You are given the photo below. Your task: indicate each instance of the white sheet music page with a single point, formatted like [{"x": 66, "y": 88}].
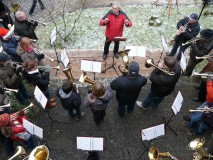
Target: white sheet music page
[
  {"x": 53, "y": 36},
  {"x": 175, "y": 106},
  {"x": 64, "y": 58},
  {"x": 159, "y": 130},
  {"x": 164, "y": 44},
  {"x": 84, "y": 143},
  {"x": 183, "y": 62},
  {"x": 38, "y": 131},
  {"x": 28, "y": 126},
  {"x": 91, "y": 66},
  {"x": 136, "y": 51},
  {"x": 97, "y": 144},
  {"x": 143, "y": 136},
  {"x": 40, "y": 97},
  {"x": 150, "y": 133}
]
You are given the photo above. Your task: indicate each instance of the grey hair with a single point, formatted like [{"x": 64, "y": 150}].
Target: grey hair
[
  {"x": 116, "y": 3},
  {"x": 18, "y": 13}
]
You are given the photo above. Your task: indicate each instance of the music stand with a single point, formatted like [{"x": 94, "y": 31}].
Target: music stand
[
  {"x": 204, "y": 5},
  {"x": 113, "y": 57},
  {"x": 176, "y": 106},
  {"x": 149, "y": 134}
]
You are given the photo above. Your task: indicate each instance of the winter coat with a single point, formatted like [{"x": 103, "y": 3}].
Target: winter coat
[
  {"x": 9, "y": 77},
  {"x": 37, "y": 78},
  {"x": 191, "y": 31},
  {"x": 3, "y": 9},
  {"x": 162, "y": 83},
  {"x": 128, "y": 88},
  {"x": 25, "y": 29},
  {"x": 70, "y": 100},
  {"x": 115, "y": 26}
]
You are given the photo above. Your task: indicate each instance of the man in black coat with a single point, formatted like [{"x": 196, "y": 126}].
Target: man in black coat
[
  {"x": 23, "y": 27},
  {"x": 188, "y": 28},
  {"x": 128, "y": 88},
  {"x": 162, "y": 83},
  {"x": 5, "y": 15}
]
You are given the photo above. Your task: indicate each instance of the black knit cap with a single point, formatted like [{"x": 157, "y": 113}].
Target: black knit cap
[{"x": 67, "y": 86}]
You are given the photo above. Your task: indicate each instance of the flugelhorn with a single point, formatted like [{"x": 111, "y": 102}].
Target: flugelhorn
[
  {"x": 154, "y": 154},
  {"x": 37, "y": 51},
  {"x": 83, "y": 78},
  {"x": 204, "y": 57},
  {"x": 26, "y": 110},
  {"x": 19, "y": 152},
  {"x": 11, "y": 90},
  {"x": 32, "y": 21},
  {"x": 192, "y": 41},
  {"x": 149, "y": 63},
  {"x": 68, "y": 73}
]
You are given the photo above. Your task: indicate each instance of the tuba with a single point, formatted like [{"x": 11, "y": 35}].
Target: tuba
[
  {"x": 19, "y": 152},
  {"x": 150, "y": 63},
  {"x": 68, "y": 73},
  {"x": 124, "y": 67}
]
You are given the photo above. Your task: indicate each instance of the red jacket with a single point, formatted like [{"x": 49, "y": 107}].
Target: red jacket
[
  {"x": 209, "y": 88},
  {"x": 115, "y": 26}
]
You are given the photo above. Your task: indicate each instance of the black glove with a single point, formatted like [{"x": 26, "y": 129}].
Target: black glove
[
  {"x": 1, "y": 89},
  {"x": 18, "y": 69},
  {"x": 35, "y": 24},
  {"x": 40, "y": 57}
]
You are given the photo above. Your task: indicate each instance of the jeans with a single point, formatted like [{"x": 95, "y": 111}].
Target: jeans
[
  {"x": 78, "y": 111},
  {"x": 197, "y": 118},
  {"x": 121, "y": 108},
  {"x": 34, "y": 5},
  {"x": 22, "y": 93},
  {"x": 174, "y": 50},
  {"x": 151, "y": 99},
  {"x": 107, "y": 44},
  {"x": 30, "y": 143},
  {"x": 98, "y": 116}
]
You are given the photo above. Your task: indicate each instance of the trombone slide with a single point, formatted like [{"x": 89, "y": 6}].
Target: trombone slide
[
  {"x": 40, "y": 52},
  {"x": 203, "y": 74},
  {"x": 200, "y": 110},
  {"x": 11, "y": 90},
  {"x": 204, "y": 57}
]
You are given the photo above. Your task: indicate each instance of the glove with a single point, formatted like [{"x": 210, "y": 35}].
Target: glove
[
  {"x": 35, "y": 24},
  {"x": 18, "y": 69},
  {"x": 47, "y": 68},
  {"x": 1, "y": 89},
  {"x": 40, "y": 57}
]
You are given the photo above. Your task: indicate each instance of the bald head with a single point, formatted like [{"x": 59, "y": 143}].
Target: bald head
[{"x": 21, "y": 16}]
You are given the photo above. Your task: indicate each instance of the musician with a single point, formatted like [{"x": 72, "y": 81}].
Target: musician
[
  {"x": 40, "y": 78},
  {"x": 188, "y": 28},
  {"x": 5, "y": 15},
  {"x": 70, "y": 99},
  {"x": 162, "y": 83},
  {"x": 12, "y": 79},
  {"x": 23, "y": 27},
  {"x": 128, "y": 88},
  {"x": 98, "y": 101},
  {"x": 34, "y": 5},
  {"x": 201, "y": 48},
  {"x": 114, "y": 21},
  {"x": 26, "y": 50},
  {"x": 14, "y": 129},
  {"x": 9, "y": 44}
]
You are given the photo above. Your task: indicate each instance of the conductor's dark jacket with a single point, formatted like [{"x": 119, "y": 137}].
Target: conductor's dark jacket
[
  {"x": 25, "y": 29},
  {"x": 162, "y": 83},
  {"x": 128, "y": 88},
  {"x": 191, "y": 31}
]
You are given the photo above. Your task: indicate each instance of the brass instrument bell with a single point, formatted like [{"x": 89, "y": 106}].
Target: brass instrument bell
[
  {"x": 68, "y": 73},
  {"x": 154, "y": 154},
  {"x": 83, "y": 78}
]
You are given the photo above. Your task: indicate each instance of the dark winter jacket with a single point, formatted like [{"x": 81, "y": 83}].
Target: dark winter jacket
[
  {"x": 70, "y": 100},
  {"x": 9, "y": 47},
  {"x": 25, "y": 29},
  {"x": 162, "y": 83},
  {"x": 191, "y": 31},
  {"x": 115, "y": 26},
  {"x": 37, "y": 78},
  {"x": 3, "y": 9},
  {"x": 9, "y": 77},
  {"x": 128, "y": 88}
]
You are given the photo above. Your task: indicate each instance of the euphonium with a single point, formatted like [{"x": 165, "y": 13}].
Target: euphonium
[
  {"x": 19, "y": 152},
  {"x": 154, "y": 154},
  {"x": 124, "y": 55},
  {"x": 83, "y": 78},
  {"x": 68, "y": 73},
  {"x": 39, "y": 153},
  {"x": 149, "y": 63}
]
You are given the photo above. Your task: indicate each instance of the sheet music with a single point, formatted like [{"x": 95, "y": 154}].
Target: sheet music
[
  {"x": 90, "y": 66},
  {"x": 53, "y": 36},
  {"x": 136, "y": 51},
  {"x": 164, "y": 44},
  {"x": 38, "y": 131},
  {"x": 150, "y": 133},
  {"x": 90, "y": 143},
  {"x": 28, "y": 126},
  {"x": 177, "y": 104},
  {"x": 153, "y": 132},
  {"x": 160, "y": 130},
  {"x": 40, "y": 97},
  {"x": 97, "y": 144},
  {"x": 64, "y": 58},
  {"x": 183, "y": 62}
]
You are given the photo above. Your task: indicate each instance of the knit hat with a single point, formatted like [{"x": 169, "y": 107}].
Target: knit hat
[
  {"x": 207, "y": 33},
  {"x": 4, "y": 33},
  {"x": 133, "y": 68},
  {"x": 4, "y": 57},
  {"x": 194, "y": 16},
  {"x": 4, "y": 119}
]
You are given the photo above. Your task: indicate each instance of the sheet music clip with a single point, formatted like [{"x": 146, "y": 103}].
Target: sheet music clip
[{"x": 176, "y": 106}]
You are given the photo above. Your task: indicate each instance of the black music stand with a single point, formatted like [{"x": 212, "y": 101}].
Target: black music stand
[
  {"x": 146, "y": 148},
  {"x": 204, "y": 5}
]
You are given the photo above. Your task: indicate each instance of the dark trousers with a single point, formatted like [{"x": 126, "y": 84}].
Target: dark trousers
[
  {"x": 98, "y": 116},
  {"x": 202, "y": 91},
  {"x": 175, "y": 48},
  {"x": 30, "y": 143},
  {"x": 9, "y": 146},
  {"x": 34, "y": 5},
  {"x": 122, "y": 108},
  {"x": 22, "y": 93},
  {"x": 152, "y": 100},
  {"x": 93, "y": 155},
  {"x": 191, "y": 65},
  {"x": 72, "y": 114},
  {"x": 107, "y": 44}
]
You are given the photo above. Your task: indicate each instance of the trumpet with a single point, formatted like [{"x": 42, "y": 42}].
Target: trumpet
[
  {"x": 203, "y": 74},
  {"x": 26, "y": 110},
  {"x": 40, "y": 52},
  {"x": 11, "y": 90},
  {"x": 200, "y": 110},
  {"x": 150, "y": 62},
  {"x": 192, "y": 41},
  {"x": 15, "y": 64},
  {"x": 204, "y": 57},
  {"x": 5, "y": 106},
  {"x": 179, "y": 32},
  {"x": 32, "y": 21}
]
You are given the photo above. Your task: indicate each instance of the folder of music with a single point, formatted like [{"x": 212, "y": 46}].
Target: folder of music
[{"x": 90, "y": 143}]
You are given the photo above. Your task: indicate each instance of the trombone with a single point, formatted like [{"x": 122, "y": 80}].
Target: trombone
[
  {"x": 192, "y": 41},
  {"x": 204, "y": 57},
  {"x": 201, "y": 110},
  {"x": 150, "y": 62},
  {"x": 40, "y": 52},
  {"x": 11, "y": 90},
  {"x": 203, "y": 74},
  {"x": 32, "y": 21}
]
